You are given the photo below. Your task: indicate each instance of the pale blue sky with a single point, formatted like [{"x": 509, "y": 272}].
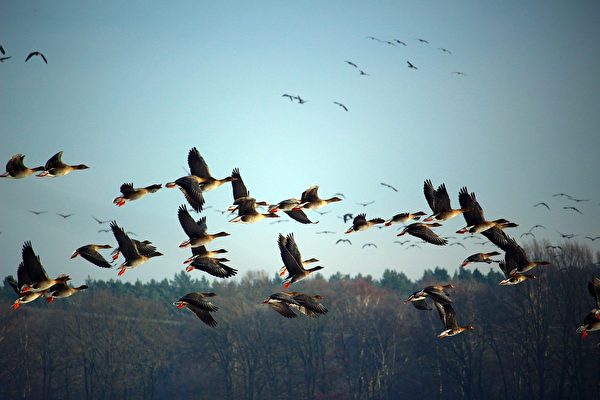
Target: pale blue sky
[{"x": 131, "y": 86}]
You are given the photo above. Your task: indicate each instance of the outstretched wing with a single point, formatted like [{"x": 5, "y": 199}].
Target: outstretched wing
[{"x": 197, "y": 164}]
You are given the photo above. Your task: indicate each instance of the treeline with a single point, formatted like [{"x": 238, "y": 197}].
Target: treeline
[{"x": 120, "y": 340}]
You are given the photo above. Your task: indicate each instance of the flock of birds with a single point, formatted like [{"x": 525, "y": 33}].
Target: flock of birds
[
  {"x": 33, "y": 282},
  {"x": 4, "y": 57}
]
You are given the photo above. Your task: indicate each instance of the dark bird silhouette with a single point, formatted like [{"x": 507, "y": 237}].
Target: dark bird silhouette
[
  {"x": 65, "y": 216},
  {"x": 2, "y": 50},
  {"x": 36, "y": 53},
  {"x": 573, "y": 208},
  {"x": 568, "y": 196},
  {"x": 374, "y": 38},
  {"x": 279, "y": 221},
  {"x": 343, "y": 241},
  {"x": 528, "y": 234},
  {"x": 324, "y": 232},
  {"x": 536, "y": 226},
  {"x": 300, "y": 100},
  {"x": 347, "y": 217},
  {"x": 459, "y": 73},
  {"x": 579, "y": 200},
  {"x": 480, "y": 257},
  {"x": 365, "y": 204},
  {"x": 390, "y": 43},
  {"x": 351, "y": 63},
  {"x": 411, "y": 65},
  {"x": 104, "y": 230},
  {"x": 423, "y": 41},
  {"x": 363, "y": 72},
  {"x": 288, "y": 96},
  {"x": 38, "y": 212},
  {"x": 369, "y": 245},
  {"x": 401, "y": 242},
  {"x": 567, "y": 235},
  {"x": 292, "y": 260},
  {"x": 339, "y": 194},
  {"x": 591, "y": 322},
  {"x": 457, "y": 244},
  {"x": 2, "y": 59},
  {"x": 542, "y": 204},
  {"x": 413, "y": 245},
  {"x": 286, "y": 302},
  {"x": 198, "y": 303},
  {"x": 361, "y": 223},
  {"x": 99, "y": 221},
  {"x": 444, "y": 50},
  {"x": 341, "y": 105},
  {"x": 322, "y": 212},
  {"x": 448, "y": 317},
  {"x": 389, "y": 186},
  {"x": 134, "y": 256},
  {"x": 593, "y": 238},
  {"x": 400, "y": 42},
  {"x": 435, "y": 292}
]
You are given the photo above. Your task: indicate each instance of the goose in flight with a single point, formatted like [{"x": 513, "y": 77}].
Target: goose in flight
[
  {"x": 573, "y": 208},
  {"x": 423, "y": 41},
  {"x": 476, "y": 223},
  {"x": 400, "y": 42},
  {"x": 33, "y": 269},
  {"x": 200, "y": 172},
  {"x": 404, "y": 217},
  {"x": 481, "y": 258},
  {"x": 439, "y": 202},
  {"x": 37, "y": 212},
  {"x": 444, "y": 50},
  {"x": 435, "y": 292},
  {"x": 133, "y": 256},
  {"x": 351, "y": 63},
  {"x": 310, "y": 199},
  {"x": 292, "y": 260},
  {"x": 191, "y": 190},
  {"x": 343, "y": 241},
  {"x": 591, "y": 322},
  {"x": 36, "y": 53},
  {"x": 366, "y": 204},
  {"x": 199, "y": 304},
  {"x": 90, "y": 253},
  {"x": 389, "y": 186},
  {"x": 247, "y": 213},
  {"x": 16, "y": 169},
  {"x": 285, "y": 303},
  {"x": 448, "y": 317},
  {"x": 423, "y": 231},
  {"x": 65, "y": 216},
  {"x": 360, "y": 223},
  {"x": 129, "y": 193},
  {"x": 56, "y": 167},
  {"x": 411, "y": 65},
  {"x": 195, "y": 230}
]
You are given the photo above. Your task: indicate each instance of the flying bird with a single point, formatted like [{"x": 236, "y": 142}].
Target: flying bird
[
  {"x": 17, "y": 170},
  {"x": 300, "y": 100},
  {"x": 56, "y": 167},
  {"x": 341, "y": 105},
  {"x": 480, "y": 257},
  {"x": 413, "y": 245},
  {"x": 593, "y": 238},
  {"x": 542, "y": 204},
  {"x": 528, "y": 234},
  {"x": 537, "y": 226},
  {"x": 459, "y": 73},
  {"x": 133, "y": 256},
  {"x": 389, "y": 186},
  {"x": 288, "y": 96},
  {"x": 340, "y": 195},
  {"x": 401, "y": 242},
  {"x": 374, "y": 38},
  {"x": 347, "y": 217},
  {"x": 2, "y": 50},
  {"x": 579, "y": 200},
  {"x": 457, "y": 244},
  {"x": 104, "y": 230},
  {"x": 202, "y": 261},
  {"x": 550, "y": 247},
  {"x": 90, "y": 253},
  {"x": 37, "y": 212},
  {"x": 2, "y": 59},
  {"x": 195, "y": 230},
  {"x": 310, "y": 199},
  {"x": 568, "y": 196},
  {"x": 439, "y": 202},
  {"x": 411, "y": 65},
  {"x": 324, "y": 232},
  {"x": 423, "y": 231},
  {"x": 573, "y": 208},
  {"x": 567, "y": 235},
  {"x": 285, "y": 303},
  {"x": 448, "y": 317},
  {"x": 363, "y": 72},
  {"x": 343, "y": 241},
  {"x": 322, "y": 212},
  {"x": 99, "y": 221},
  {"x": 400, "y": 42},
  {"x": 36, "y": 53},
  {"x": 423, "y": 41},
  {"x": 366, "y": 204},
  {"x": 360, "y": 223},
  {"x": 404, "y": 217},
  {"x": 199, "y": 304},
  {"x": 65, "y": 216},
  {"x": 369, "y": 245},
  {"x": 292, "y": 260},
  {"x": 129, "y": 193},
  {"x": 351, "y": 63},
  {"x": 591, "y": 322},
  {"x": 444, "y": 50}
]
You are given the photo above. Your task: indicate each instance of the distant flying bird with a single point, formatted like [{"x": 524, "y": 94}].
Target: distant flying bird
[
  {"x": 444, "y": 50},
  {"x": 579, "y": 200},
  {"x": 280, "y": 221},
  {"x": 104, "y": 230},
  {"x": 410, "y": 65},
  {"x": 288, "y": 96},
  {"x": 56, "y": 167},
  {"x": 222, "y": 211},
  {"x": 347, "y": 217},
  {"x": 413, "y": 245},
  {"x": 369, "y": 245},
  {"x": 528, "y": 234},
  {"x": 2, "y": 59},
  {"x": 366, "y": 204},
  {"x": 322, "y": 212},
  {"x": 423, "y": 41},
  {"x": 593, "y": 238},
  {"x": 480, "y": 257},
  {"x": 65, "y": 216},
  {"x": 374, "y": 38},
  {"x": 390, "y": 186},
  {"x": 363, "y": 72},
  {"x": 340, "y": 194},
  {"x": 2, "y": 50},
  {"x": 568, "y": 196},
  {"x": 400, "y": 42},
  {"x": 100, "y": 221},
  {"x": 401, "y": 242},
  {"x": 341, "y": 105},
  {"x": 573, "y": 208},
  {"x": 324, "y": 232},
  {"x": 457, "y": 244},
  {"x": 343, "y": 241},
  {"x": 37, "y": 212},
  {"x": 482, "y": 243},
  {"x": 459, "y": 73},
  {"x": 351, "y": 63},
  {"x": 542, "y": 204},
  {"x": 537, "y": 226},
  {"x": 300, "y": 100},
  {"x": 390, "y": 43},
  {"x": 286, "y": 302},
  {"x": 567, "y": 235},
  {"x": 36, "y": 53},
  {"x": 198, "y": 303}
]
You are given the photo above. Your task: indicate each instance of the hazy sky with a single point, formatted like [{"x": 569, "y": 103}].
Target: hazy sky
[{"x": 131, "y": 86}]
